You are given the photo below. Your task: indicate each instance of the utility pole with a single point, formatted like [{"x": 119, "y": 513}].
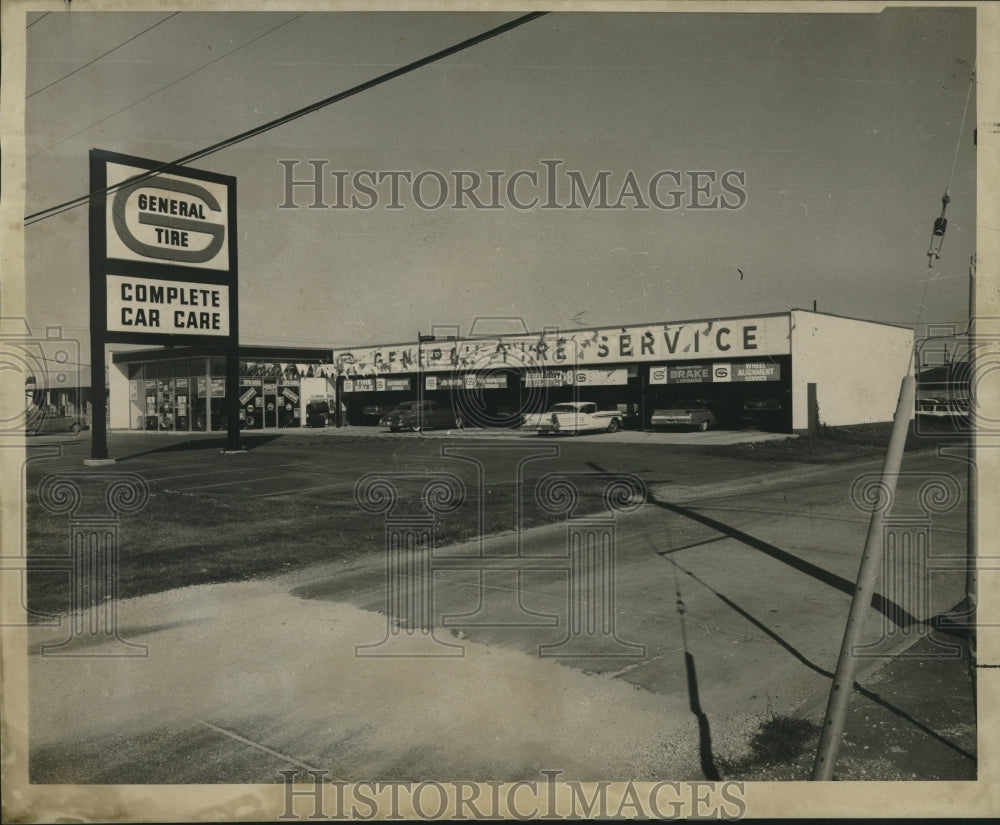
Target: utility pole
[{"x": 972, "y": 486}]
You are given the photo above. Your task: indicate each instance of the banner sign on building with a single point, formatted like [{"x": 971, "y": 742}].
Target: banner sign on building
[
  {"x": 756, "y": 372},
  {"x": 689, "y": 375},
  {"x": 591, "y": 377},
  {"x": 486, "y": 382},
  {"x": 758, "y": 336},
  {"x": 389, "y": 384},
  {"x": 542, "y": 378},
  {"x": 359, "y": 385},
  {"x": 449, "y": 382},
  {"x": 718, "y": 373},
  {"x": 722, "y": 373}
]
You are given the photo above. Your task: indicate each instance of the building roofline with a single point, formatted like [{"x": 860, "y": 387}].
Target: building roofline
[
  {"x": 660, "y": 322},
  {"x": 852, "y": 318},
  {"x": 321, "y": 354}
]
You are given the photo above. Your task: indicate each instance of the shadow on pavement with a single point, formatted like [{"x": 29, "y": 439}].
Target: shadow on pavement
[
  {"x": 247, "y": 442},
  {"x": 705, "y": 754},
  {"x": 885, "y": 606},
  {"x": 888, "y": 608},
  {"x": 865, "y": 692}
]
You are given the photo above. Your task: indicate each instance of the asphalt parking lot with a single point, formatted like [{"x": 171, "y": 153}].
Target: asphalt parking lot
[
  {"x": 731, "y": 586},
  {"x": 327, "y": 462}
]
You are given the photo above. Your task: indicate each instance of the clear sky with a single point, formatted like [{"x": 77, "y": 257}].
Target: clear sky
[{"x": 846, "y": 129}]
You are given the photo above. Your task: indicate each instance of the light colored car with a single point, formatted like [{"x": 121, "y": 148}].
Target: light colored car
[
  {"x": 689, "y": 412},
  {"x": 943, "y": 407},
  {"x": 573, "y": 418}
]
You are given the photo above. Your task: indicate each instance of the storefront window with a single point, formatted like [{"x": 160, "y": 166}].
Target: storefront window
[
  {"x": 217, "y": 393},
  {"x": 185, "y": 395},
  {"x": 150, "y": 419},
  {"x": 166, "y": 404},
  {"x": 198, "y": 395},
  {"x": 288, "y": 397},
  {"x": 251, "y": 396},
  {"x": 182, "y": 397}
]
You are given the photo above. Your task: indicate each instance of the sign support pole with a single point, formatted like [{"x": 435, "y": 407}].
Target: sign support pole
[
  {"x": 98, "y": 315},
  {"x": 972, "y": 482},
  {"x": 233, "y": 343},
  {"x": 232, "y": 399}
]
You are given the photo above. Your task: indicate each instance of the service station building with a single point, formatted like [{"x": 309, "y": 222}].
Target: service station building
[{"x": 788, "y": 371}]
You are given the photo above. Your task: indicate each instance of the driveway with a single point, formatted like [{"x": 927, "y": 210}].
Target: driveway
[{"x": 728, "y": 604}]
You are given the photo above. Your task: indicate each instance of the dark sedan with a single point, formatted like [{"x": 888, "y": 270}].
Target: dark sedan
[
  {"x": 420, "y": 415},
  {"x": 39, "y": 421}
]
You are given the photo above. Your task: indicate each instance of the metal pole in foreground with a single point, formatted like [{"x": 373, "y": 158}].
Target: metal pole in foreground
[
  {"x": 871, "y": 563},
  {"x": 971, "y": 487}
]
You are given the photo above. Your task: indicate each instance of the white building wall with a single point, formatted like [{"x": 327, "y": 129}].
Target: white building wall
[
  {"x": 857, "y": 367},
  {"x": 119, "y": 404}
]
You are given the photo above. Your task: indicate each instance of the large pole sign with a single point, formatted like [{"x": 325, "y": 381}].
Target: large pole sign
[{"x": 163, "y": 268}]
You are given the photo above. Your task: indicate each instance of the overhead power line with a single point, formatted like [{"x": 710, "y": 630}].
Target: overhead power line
[
  {"x": 99, "y": 57},
  {"x": 169, "y": 85},
  {"x": 298, "y": 113}
]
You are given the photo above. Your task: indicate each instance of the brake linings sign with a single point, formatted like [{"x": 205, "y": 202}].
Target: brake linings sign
[{"x": 715, "y": 373}]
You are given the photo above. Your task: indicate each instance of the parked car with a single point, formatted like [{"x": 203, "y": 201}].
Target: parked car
[
  {"x": 689, "y": 412},
  {"x": 761, "y": 411},
  {"x": 39, "y": 421},
  {"x": 943, "y": 407},
  {"x": 420, "y": 415},
  {"x": 376, "y": 411},
  {"x": 573, "y": 418}
]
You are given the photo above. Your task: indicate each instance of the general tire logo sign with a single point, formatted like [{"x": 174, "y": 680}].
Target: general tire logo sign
[
  {"x": 163, "y": 253},
  {"x": 167, "y": 219}
]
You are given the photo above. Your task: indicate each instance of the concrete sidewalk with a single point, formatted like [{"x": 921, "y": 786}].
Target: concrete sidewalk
[{"x": 738, "y": 595}]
